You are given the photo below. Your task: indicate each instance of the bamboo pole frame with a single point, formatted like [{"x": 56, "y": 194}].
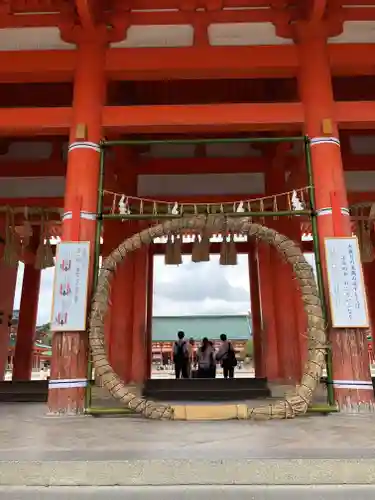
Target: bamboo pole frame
[{"x": 311, "y": 212}]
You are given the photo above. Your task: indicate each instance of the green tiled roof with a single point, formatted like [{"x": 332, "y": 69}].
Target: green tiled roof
[
  {"x": 236, "y": 327},
  {"x": 38, "y": 345}
]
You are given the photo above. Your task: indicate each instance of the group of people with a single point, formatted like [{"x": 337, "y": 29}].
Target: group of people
[{"x": 202, "y": 363}]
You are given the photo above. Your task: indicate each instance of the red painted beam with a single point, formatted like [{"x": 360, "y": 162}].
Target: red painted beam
[
  {"x": 355, "y": 115},
  {"x": 185, "y": 62},
  {"x": 33, "y": 202},
  {"x": 183, "y": 5},
  {"x": 202, "y": 118},
  {"x": 88, "y": 13},
  {"x": 165, "y": 166},
  {"x": 359, "y": 162},
  {"x": 37, "y": 66},
  {"x": 177, "y": 118},
  {"x": 317, "y": 10},
  {"x": 35, "y": 121},
  {"x": 202, "y": 62},
  {"x": 30, "y": 168}
]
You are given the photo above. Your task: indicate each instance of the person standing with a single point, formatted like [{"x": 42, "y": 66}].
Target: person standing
[
  {"x": 205, "y": 358},
  {"x": 192, "y": 356},
  {"x": 227, "y": 356},
  {"x": 213, "y": 367},
  {"x": 181, "y": 356}
]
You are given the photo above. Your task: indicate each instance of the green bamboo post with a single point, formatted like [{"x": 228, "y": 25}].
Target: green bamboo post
[
  {"x": 229, "y": 140},
  {"x": 318, "y": 264},
  {"x": 284, "y": 213},
  {"x": 98, "y": 230},
  {"x": 102, "y": 216}
]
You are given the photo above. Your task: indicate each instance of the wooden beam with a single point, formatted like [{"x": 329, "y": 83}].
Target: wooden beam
[
  {"x": 33, "y": 202},
  {"x": 184, "y": 62},
  {"x": 35, "y": 121},
  {"x": 183, "y": 166},
  {"x": 358, "y": 197},
  {"x": 32, "y": 168},
  {"x": 88, "y": 13},
  {"x": 182, "y": 119},
  {"x": 355, "y": 115},
  {"x": 165, "y": 166},
  {"x": 317, "y": 10},
  {"x": 202, "y": 118},
  {"x": 202, "y": 62},
  {"x": 37, "y": 66}
]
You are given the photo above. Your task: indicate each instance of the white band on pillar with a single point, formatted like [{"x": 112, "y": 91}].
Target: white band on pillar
[
  {"x": 83, "y": 215},
  {"x": 84, "y": 145},
  {"x": 67, "y": 383},
  {"x": 67, "y": 215},
  {"x": 315, "y": 141},
  {"x": 328, "y": 211},
  {"x": 88, "y": 215},
  {"x": 363, "y": 385}
]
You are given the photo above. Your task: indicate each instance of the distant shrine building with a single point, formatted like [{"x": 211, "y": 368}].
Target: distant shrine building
[{"x": 215, "y": 111}]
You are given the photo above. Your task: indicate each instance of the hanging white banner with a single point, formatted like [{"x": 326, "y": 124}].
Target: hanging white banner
[
  {"x": 69, "y": 304},
  {"x": 347, "y": 294}
]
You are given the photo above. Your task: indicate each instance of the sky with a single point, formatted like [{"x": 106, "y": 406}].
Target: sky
[{"x": 192, "y": 288}]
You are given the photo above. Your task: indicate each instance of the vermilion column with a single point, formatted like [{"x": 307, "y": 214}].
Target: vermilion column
[
  {"x": 351, "y": 374},
  {"x": 150, "y": 300},
  {"x": 139, "y": 349},
  {"x": 121, "y": 327},
  {"x": 291, "y": 229},
  {"x": 283, "y": 287},
  {"x": 120, "y": 321},
  {"x": 269, "y": 332},
  {"x": 255, "y": 311},
  {"x": 70, "y": 350},
  {"x": 287, "y": 338},
  {"x": 298, "y": 179},
  {"x": 23, "y": 355},
  {"x": 8, "y": 279}
]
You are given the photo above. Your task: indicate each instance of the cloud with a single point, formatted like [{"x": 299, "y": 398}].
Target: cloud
[
  {"x": 193, "y": 282},
  {"x": 204, "y": 288},
  {"x": 45, "y": 294}
]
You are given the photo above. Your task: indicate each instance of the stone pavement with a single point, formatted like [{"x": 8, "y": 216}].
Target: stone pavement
[
  {"x": 191, "y": 493},
  {"x": 40, "y": 450}
]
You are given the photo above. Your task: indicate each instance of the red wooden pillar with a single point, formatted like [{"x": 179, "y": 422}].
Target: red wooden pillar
[
  {"x": 256, "y": 317},
  {"x": 298, "y": 179},
  {"x": 270, "y": 340},
  {"x": 292, "y": 229},
  {"x": 139, "y": 349},
  {"x": 121, "y": 327},
  {"x": 70, "y": 349},
  {"x": 289, "y": 353},
  {"x": 8, "y": 279},
  {"x": 23, "y": 354},
  {"x": 283, "y": 283},
  {"x": 150, "y": 300},
  {"x": 351, "y": 373}
]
